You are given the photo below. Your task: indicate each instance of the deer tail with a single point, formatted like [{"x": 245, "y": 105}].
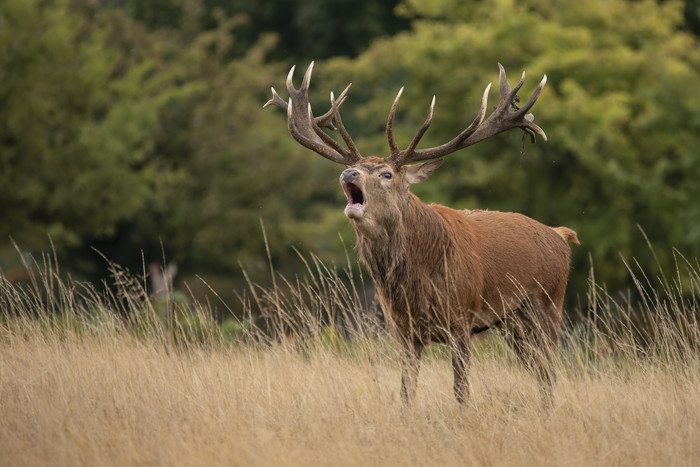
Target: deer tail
[{"x": 567, "y": 234}]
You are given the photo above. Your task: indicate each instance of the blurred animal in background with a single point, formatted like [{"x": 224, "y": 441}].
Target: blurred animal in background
[{"x": 162, "y": 279}]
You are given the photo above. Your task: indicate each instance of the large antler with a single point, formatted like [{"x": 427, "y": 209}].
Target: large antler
[
  {"x": 506, "y": 116},
  {"x": 307, "y": 130}
]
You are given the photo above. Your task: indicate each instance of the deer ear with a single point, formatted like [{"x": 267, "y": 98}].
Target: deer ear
[{"x": 416, "y": 173}]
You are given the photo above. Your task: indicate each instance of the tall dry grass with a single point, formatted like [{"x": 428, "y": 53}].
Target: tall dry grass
[{"x": 92, "y": 377}]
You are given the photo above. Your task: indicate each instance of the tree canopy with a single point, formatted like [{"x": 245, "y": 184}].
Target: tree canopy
[
  {"x": 620, "y": 109},
  {"x": 130, "y": 126}
]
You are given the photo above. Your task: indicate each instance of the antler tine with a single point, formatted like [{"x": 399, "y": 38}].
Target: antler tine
[
  {"x": 414, "y": 155},
  {"x": 306, "y": 129},
  {"x": 353, "y": 155},
  {"x": 289, "y": 82},
  {"x": 422, "y": 129},
  {"x": 403, "y": 155},
  {"x": 530, "y": 127},
  {"x": 301, "y": 136},
  {"x": 478, "y": 120},
  {"x": 323, "y": 135},
  {"x": 306, "y": 81},
  {"x": 508, "y": 94},
  {"x": 482, "y": 111},
  {"x": 506, "y": 116},
  {"x": 393, "y": 147},
  {"x": 335, "y": 107},
  {"x": 326, "y": 120},
  {"x": 276, "y": 100},
  {"x": 535, "y": 95}
]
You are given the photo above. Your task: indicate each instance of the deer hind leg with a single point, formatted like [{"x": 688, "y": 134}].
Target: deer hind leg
[
  {"x": 461, "y": 353},
  {"x": 532, "y": 332},
  {"x": 410, "y": 365}
]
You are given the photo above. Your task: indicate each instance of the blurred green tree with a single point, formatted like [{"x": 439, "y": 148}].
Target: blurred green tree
[
  {"x": 309, "y": 28},
  {"x": 76, "y": 125},
  {"x": 125, "y": 139},
  {"x": 620, "y": 109},
  {"x": 125, "y": 124},
  {"x": 692, "y": 16}
]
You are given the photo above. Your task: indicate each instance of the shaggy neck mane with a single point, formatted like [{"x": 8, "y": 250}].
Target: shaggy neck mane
[{"x": 411, "y": 247}]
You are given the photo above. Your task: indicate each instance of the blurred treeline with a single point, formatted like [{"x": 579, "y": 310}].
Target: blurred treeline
[{"x": 135, "y": 127}]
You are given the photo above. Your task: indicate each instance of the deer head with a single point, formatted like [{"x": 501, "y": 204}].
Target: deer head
[{"x": 377, "y": 188}]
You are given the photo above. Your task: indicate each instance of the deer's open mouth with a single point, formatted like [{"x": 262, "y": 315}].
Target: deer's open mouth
[{"x": 356, "y": 201}]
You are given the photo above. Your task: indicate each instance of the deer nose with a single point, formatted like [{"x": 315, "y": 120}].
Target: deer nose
[{"x": 349, "y": 175}]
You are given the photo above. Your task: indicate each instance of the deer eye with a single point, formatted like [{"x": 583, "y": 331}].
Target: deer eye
[{"x": 386, "y": 175}]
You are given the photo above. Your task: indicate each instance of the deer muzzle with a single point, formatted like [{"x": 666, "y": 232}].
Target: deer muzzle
[{"x": 350, "y": 181}]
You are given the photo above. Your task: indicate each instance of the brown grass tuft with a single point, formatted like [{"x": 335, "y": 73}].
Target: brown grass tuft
[{"x": 81, "y": 384}]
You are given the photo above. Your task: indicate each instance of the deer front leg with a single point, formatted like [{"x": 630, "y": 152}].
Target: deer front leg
[
  {"x": 461, "y": 353},
  {"x": 410, "y": 365}
]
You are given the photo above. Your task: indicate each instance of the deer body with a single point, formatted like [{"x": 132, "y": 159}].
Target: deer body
[
  {"x": 431, "y": 279},
  {"x": 442, "y": 274}
]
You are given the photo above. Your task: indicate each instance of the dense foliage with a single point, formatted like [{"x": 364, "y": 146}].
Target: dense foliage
[
  {"x": 121, "y": 137},
  {"x": 620, "y": 109},
  {"x": 129, "y": 126}
]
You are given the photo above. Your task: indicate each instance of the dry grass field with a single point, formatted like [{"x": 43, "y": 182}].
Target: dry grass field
[{"x": 80, "y": 385}]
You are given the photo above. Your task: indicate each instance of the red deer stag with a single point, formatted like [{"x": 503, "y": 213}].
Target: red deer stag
[{"x": 444, "y": 275}]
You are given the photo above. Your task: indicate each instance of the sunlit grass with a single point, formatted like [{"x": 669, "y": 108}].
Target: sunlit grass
[{"x": 92, "y": 377}]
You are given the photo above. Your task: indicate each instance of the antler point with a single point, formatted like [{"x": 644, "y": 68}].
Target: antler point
[
  {"x": 305, "y": 82},
  {"x": 271, "y": 100},
  {"x": 290, "y": 77}
]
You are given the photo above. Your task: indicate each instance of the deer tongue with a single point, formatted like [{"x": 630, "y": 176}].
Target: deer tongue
[{"x": 356, "y": 201}]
